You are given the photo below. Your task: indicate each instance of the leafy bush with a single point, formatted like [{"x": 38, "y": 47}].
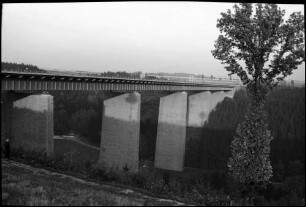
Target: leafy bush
[
  {"x": 156, "y": 185},
  {"x": 40, "y": 157},
  {"x": 139, "y": 179},
  {"x": 103, "y": 173}
]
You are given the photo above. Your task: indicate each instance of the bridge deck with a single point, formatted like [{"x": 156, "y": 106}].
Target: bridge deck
[{"x": 43, "y": 81}]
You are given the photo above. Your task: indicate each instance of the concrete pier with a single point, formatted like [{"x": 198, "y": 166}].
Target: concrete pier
[
  {"x": 200, "y": 105},
  {"x": 230, "y": 94},
  {"x": 198, "y": 109},
  {"x": 171, "y": 132},
  {"x": 32, "y": 123},
  {"x": 120, "y": 132},
  {"x": 7, "y": 100}
]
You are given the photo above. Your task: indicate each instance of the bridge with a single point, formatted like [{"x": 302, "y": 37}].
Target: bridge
[
  {"x": 21, "y": 81},
  {"x": 27, "y": 117}
]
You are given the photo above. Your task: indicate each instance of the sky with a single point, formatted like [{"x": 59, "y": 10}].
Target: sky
[{"x": 171, "y": 37}]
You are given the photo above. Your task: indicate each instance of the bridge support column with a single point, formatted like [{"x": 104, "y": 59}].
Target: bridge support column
[
  {"x": 30, "y": 124},
  {"x": 7, "y": 100},
  {"x": 171, "y": 132},
  {"x": 6, "y": 114},
  {"x": 120, "y": 132},
  {"x": 200, "y": 105}
]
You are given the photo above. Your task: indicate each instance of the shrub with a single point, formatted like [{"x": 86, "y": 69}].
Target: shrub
[
  {"x": 103, "y": 173},
  {"x": 40, "y": 157},
  {"x": 139, "y": 179}
]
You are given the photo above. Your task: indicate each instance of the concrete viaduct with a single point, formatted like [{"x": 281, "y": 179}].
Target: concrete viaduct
[{"x": 28, "y": 119}]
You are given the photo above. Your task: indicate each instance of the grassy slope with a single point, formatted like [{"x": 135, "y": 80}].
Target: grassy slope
[
  {"x": 26, "y": 185},
  {"x": 78, "y": 153},
  {"x": 27, "y": 188}
]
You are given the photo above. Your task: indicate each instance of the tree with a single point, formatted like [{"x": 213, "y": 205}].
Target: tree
[
  {"x": 259, "y": 39},
  {"x": 262, "y": 50}
]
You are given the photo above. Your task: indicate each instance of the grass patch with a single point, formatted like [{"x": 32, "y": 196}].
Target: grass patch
[
  {"x": 22, "y": 187},
  {"x": 147, "y": 181}
]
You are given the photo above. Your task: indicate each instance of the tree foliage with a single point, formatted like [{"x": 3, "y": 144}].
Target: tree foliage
[
  {"x": 87, "y": 123},
  {"x": 259, "y": 46},
  {"x": 250, "y": 162}
]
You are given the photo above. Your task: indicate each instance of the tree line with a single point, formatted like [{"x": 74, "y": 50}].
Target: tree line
[{"x": 20, "y": 67}]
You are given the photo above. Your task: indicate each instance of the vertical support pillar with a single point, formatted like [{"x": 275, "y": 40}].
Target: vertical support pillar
[
  {"x": 200, "y": 105},
  {"x": 198, "y": 109},
  {"x": 231, "y": 93},
  {"x": 7, "y": 100},
  {"x": 6, "y": 114},
  {"x": 120, "y": 132},
  {"x": 171, "y": 132},
  {"x": 32, "y": 123}
]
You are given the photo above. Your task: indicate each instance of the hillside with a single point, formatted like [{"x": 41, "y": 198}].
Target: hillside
[{"x": 26, "y": 185}]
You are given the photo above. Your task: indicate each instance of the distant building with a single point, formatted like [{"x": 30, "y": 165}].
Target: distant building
[{"x": 142, "y": 76}]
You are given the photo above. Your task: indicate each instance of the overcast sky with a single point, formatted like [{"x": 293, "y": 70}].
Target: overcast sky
[{"x": 118, "y": 36}]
